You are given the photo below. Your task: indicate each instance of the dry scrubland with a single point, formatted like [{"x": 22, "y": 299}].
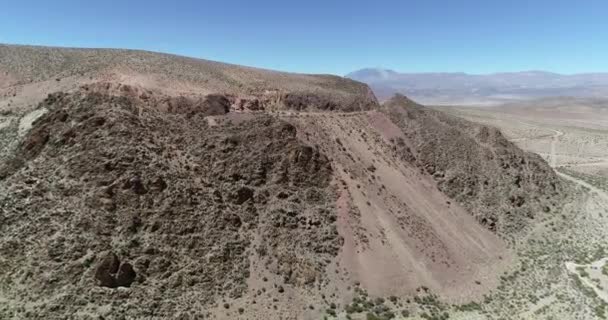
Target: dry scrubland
[
  {"x": 563, "y": 272},
  {"x": 143, "y": 185}
]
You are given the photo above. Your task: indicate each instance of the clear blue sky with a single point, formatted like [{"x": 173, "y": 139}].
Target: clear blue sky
[{"x": 325, "y": 36}]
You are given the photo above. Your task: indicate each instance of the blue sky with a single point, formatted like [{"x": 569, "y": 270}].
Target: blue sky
[{"x": 314, "y": 36}]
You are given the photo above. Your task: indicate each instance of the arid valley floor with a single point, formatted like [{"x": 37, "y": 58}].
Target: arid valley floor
[{"x": 563, "y": 272}]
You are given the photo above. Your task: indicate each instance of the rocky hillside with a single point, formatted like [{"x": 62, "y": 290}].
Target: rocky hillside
[
  {"x": 503, "y": 187},
  {"x": 144, "y": 185},
  {"x": 181, "y": 208}
]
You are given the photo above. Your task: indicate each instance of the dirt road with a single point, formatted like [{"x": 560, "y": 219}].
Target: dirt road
[
  {"x": 597, "y": 265},
  {"x": 602, "y": 201},
  {"x": 601, "y": 193},
  {"x": 554, "y": 141}
]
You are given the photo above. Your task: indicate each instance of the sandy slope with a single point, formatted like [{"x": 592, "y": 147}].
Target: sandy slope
[{"x": 400, "y": 231}]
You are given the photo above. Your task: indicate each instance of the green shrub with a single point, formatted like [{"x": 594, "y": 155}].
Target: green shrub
[{"x": 582, "y": 272}]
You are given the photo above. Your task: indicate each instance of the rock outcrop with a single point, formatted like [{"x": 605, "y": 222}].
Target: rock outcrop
[{"x": 187, "y": 207}]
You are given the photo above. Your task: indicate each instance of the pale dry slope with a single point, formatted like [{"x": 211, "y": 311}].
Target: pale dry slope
[{"x": 401, "y": 232}]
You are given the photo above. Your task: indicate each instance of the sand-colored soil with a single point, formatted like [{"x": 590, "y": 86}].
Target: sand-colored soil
[{"x": 563, "y": 277}]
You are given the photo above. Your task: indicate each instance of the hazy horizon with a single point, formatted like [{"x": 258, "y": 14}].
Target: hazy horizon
[
  {"x": 480, "y": 74},
  {"x": 475, "y": 37},
  {"x": 363, "y": 68}
]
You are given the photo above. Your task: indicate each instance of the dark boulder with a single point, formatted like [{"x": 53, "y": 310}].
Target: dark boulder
[
  {"x": 242, "y": 195},
  {"x": 126, "y": 275},
  {"x": 107, "y": 267},
  {"x": 111, "y": 274}
]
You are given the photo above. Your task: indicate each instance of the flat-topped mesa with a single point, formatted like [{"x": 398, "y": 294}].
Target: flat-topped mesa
[{"x": 165, "y": 75}]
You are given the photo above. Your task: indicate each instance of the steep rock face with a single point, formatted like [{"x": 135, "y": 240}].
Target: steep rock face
[
  {"x": 222, "y": 103},
  {"x": 501, "y": 185},
  {"x": 185, "y": 208}
]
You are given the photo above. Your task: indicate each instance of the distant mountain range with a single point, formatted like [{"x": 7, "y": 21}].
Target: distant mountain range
[{"x": 462, "y": 88}]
